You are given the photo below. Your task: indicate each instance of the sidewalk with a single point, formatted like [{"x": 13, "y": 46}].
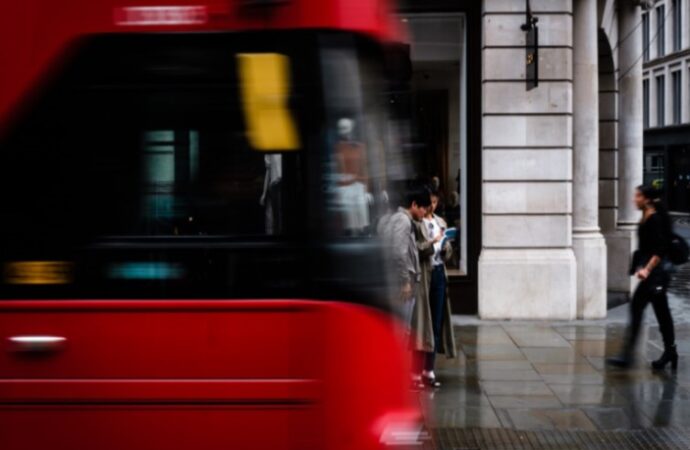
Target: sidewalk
[{"x": 551, "y": 376}]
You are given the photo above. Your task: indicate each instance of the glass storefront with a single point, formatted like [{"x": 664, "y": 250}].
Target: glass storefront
[
  {"x": 436, "y": 107},
  {"x": 668, "y": 169},
  {"x": 654, "y": 165}
]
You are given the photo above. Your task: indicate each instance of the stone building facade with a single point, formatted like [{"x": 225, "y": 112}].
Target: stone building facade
[{"x": 558, "y": 163}]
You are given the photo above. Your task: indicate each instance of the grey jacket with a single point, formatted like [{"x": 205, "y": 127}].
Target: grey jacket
[{"x": 399, "y": 236}]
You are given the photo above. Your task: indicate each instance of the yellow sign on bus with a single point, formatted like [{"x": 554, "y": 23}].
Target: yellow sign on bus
[{"x": 265, "y": 86}]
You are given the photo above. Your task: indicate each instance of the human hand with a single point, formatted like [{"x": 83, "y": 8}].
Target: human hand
[
  {"x": 642, "y": 274},
  {"x": 406, "y": 290}
]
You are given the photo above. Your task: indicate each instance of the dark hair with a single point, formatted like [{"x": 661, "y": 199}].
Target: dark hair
[
  {"x": 654, "y": 195},
  {"x": 419, "y": 194},
  {"x": 649, "y": 192}
]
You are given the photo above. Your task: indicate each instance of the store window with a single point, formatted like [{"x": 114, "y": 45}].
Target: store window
[
  {"x": 654, "y": 165},
  {"x": 436, "y": 107}
]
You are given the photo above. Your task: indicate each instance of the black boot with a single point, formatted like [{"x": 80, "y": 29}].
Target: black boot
[
  {"x": 624, "y": 360},
  {"x": 670, "y": 355}
]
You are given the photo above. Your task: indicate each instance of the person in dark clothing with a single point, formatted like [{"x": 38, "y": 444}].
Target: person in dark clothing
[{"x": 650, "y": 266}]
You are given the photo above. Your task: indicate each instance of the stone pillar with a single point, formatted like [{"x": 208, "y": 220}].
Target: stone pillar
[
  {"x": 589, "y": 245},
  {"x": 630, "y": 156},
  {"x": 527, "y": 267}
]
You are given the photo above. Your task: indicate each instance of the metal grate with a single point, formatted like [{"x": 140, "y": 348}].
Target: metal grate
[{"x": 506, "y": 439}]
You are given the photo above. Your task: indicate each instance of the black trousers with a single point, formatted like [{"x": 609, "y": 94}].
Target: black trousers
[{"x": 652, "y": 290}]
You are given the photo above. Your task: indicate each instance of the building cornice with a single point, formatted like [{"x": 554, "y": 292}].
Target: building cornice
[
  {"x": 671, "y": 57},
  {"x": 645, "y": 4}
]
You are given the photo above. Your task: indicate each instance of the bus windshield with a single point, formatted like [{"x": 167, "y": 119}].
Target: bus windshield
[{"x": 144, "y": 154}]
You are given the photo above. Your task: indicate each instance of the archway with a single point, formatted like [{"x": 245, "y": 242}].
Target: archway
[{"x": 608, "y": 150}]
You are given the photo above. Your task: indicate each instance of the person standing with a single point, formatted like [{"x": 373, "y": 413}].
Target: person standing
[
  {"x": 651, "y": 266},
  {"x": 434, "y": 227},
  {"x": 400, "y": 237},
  {"x": 422, "y": 320}
]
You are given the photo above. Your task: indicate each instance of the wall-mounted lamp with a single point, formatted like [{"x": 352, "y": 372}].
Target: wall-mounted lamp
[{"x": 531, "y": 47}]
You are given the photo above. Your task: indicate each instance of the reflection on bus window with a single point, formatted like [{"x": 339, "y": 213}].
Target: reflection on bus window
[
  {"x": 142, "y": 171},
  {"x": 352, "y": 194},
  {"x": 271, "y": 197},
  {"x": 158, "y": 190},
  {"x": 177, "y": 160},
  {"x": 188, "y": 190},
  {"x": 358, "y": 178}
]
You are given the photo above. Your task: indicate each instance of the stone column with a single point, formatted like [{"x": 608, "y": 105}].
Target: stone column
[
  {"x": 527, "y": 267},
  {"x": 630, "y": 156},
  {"x": 589, "y": 245}
]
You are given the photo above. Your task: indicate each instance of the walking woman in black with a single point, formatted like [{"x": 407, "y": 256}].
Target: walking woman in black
[{"x": 650, "y": 266}]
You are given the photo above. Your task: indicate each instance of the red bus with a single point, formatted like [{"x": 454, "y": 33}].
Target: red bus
[{"x": 189, "y": 193}]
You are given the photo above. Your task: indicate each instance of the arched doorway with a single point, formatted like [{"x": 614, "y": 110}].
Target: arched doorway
[{"x": 608, "y": 149}]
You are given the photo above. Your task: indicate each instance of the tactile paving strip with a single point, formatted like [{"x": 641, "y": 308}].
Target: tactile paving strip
[{"x": 506, "y": 439}]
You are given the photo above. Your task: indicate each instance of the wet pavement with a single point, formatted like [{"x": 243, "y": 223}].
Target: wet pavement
[
  {"x": 537, "y": 376},
  {"x": 532, "y": 377}
]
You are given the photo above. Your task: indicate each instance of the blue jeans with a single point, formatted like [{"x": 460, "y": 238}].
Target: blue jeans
[{"x": 437, "y": 301}]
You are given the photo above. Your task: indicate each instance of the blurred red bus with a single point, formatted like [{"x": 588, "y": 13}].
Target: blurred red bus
[{"x": 186, "y": 260}]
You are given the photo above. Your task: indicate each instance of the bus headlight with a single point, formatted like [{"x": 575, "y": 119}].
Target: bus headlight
[{"x": 401, "y": 430}]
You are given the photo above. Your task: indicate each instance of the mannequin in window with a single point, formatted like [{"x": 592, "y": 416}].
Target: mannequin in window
[
  {"x": 271, "y": 195},
  {"x": 353, "y": 179}
]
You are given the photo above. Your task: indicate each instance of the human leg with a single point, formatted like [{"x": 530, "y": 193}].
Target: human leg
[
  {"x": 666, "y": 327},
  {"x": 437, "y": 297},
  {"x": 637, "y": 305}
]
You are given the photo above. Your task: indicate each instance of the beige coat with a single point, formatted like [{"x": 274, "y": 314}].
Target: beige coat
[{"x": 423, "y": 334}]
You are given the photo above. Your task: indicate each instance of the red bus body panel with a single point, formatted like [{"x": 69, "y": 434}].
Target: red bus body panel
[{"x": 200, "y": 374}]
